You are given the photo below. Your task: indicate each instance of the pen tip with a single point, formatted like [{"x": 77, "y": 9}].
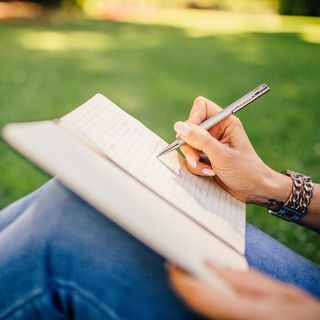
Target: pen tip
[
  {"x": 161, "y": 153},
  {"x": 173, "y": 146},
  {"x": 164, "y": 151}
]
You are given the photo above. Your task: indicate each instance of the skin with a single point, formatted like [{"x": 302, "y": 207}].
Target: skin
[
  {"x": 238, "y": 169},
  {"x": 256, "y": 296}
]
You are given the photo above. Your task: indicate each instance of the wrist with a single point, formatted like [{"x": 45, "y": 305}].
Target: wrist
[
  {"x": 275, "y": 188},
  {"x": 280, "y": 187}
]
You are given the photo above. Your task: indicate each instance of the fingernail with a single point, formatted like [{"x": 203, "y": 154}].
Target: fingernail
[
  {"x": 182, "y": 128},
  {"x": 191, "y": 160},
  {"x": 208, "y": 172}
]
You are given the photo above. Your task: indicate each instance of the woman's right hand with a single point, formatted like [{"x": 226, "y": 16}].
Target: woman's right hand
[{"x": 233, "y": 161}]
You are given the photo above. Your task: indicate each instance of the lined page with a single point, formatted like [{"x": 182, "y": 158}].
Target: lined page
[{"x": 133, "y": 147}]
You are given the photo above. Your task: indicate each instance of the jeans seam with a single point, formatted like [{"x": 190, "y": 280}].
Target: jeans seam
[
  {"x": 20, "y": 304},
  {"x": 83, "y": 294}
]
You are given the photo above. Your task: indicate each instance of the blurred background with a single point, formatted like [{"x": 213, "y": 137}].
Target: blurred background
[{"x": 153, "y": 58}]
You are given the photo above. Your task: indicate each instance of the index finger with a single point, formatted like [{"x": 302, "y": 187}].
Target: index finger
[
  {"x": 202, "y": 109},
  {"x": 249, "y": 282},
  {"x": 208, "y": 300}
]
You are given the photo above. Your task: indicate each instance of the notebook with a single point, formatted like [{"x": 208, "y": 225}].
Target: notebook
[{"x": 109, "y": 159}]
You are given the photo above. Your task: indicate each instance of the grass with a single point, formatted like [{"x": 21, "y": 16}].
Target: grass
[{"x": 154, "y": 68}]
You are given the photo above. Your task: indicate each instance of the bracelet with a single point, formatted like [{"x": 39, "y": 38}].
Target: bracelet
[{"x": 296, "y": 206}]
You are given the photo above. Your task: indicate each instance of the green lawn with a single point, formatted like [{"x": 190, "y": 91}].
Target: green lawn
[{"x": 154, "y": 68}]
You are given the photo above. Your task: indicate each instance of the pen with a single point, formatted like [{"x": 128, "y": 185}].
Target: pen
[{"x": 223, "y": 114}]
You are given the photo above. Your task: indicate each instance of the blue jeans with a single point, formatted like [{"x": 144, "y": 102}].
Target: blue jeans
[{"x": 62, "y": 259}]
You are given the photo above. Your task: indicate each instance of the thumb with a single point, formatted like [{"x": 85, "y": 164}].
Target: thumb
[{"x": 198, "y": 138}]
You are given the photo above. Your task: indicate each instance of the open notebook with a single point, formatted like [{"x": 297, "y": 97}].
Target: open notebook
[{"x": 109, "y": 158}]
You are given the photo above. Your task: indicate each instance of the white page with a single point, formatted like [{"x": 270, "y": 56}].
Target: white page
[
  {"x": 143, "y": 213},
  {"x": 132, "y": 146}
]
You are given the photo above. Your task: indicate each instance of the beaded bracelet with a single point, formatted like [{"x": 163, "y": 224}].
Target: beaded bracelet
[{"x": 296, "y": 206}]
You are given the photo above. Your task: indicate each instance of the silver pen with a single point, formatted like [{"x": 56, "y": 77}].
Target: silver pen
[{"x": 223, "y": 114}]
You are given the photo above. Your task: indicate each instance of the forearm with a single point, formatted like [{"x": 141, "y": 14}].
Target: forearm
[
  {"x": 277, "y": 188},
  {"x": 312, "y": 219}
]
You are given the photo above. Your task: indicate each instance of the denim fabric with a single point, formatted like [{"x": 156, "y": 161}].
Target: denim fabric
[
  {"x": 62, "y": 259},
  {"x": 273, "y": 258},
  {"x": 13, "y": 211}
]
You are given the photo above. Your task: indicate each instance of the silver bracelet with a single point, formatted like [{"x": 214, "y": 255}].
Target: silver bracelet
[{"x": 296, "y": 206}]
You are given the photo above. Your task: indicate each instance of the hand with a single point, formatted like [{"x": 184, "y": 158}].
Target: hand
[
  {"x": 237, "y": 167},
  {"x": 255, "y": 297}
]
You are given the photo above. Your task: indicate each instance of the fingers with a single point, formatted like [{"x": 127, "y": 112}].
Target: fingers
[
  {"x": 202, "y": 109},
  {"x": 251, "y": 282},
  {"x": 194, "y": 163},
  {"x": 199, "y": 138},
  {"x": 222, "y": 143},
  {"x": 206, "y": 299},
  {"x": 272, "y": 302}
]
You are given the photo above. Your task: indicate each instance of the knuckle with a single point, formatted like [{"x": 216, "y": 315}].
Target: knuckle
[
  {"x": 198, "y": 104},
  {"x": 197, "y": 100},
  {"x": 236, "y": 121},
  {"x": 291, "y": 292},
  {"x": 205, "y": 137},
  {"x": 192, "y": 115},
  {"x": 200, "y": 138},
  {"x": 192, "y": 170},
  {"x": 192, "y": 134}
]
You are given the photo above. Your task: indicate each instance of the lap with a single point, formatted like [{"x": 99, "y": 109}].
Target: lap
[
  {"x": 13, "y": 211},
  {"x": 273, "y": 258},
  {"x": 77, "y": 260},
  {"x": 68, "y": 249}
]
